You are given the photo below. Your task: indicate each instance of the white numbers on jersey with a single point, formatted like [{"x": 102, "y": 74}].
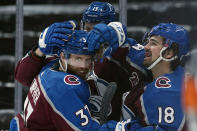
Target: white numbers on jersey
[
  {"x": 168, "y": 115},
  {"x": 138, "y": 47},
  {"x": 28, "y": 109},
  {"x": 35, "y": 94},
  {"x": 83, "y": 116},
  {"x": 96, "y": 9}
]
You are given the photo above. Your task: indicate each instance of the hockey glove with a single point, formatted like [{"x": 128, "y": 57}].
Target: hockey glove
[
  {"x": 54, "y": 36},
  {"x": 114, "y": 34},
  {"x": 131, "y": 42}
]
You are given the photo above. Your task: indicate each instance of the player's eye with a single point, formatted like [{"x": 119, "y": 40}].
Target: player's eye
[{"x": 78, "y": 58}]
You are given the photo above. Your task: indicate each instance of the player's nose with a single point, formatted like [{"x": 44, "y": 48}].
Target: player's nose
[{"x": 83, "y": 64}]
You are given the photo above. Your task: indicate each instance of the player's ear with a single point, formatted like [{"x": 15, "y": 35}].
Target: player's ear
[
  {"x": 62, "y": 56},
  {"x": 169, "y": 53}
]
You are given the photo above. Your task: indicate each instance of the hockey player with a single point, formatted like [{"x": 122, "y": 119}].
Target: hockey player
[
  {"x": 58, "y": 96},
  {"x": 158, "y": 106},
  {"x": 124, "y": 67}
]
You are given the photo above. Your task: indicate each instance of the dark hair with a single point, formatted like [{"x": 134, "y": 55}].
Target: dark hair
[{"x": 175, "y": 48}]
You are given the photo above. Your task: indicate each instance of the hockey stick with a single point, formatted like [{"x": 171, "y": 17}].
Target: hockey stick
[{"x": 106, "y": 100}]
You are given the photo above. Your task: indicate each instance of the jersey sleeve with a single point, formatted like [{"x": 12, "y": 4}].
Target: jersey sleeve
[
  {"x": 68, "y": 97},
  {"x": 29, "y": 67}
]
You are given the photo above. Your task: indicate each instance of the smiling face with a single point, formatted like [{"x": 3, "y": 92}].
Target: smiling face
[
  {"x": 79, "y": 64},
  {"x": 152, "y": 49}
]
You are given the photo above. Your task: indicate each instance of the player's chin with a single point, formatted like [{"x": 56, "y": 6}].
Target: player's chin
[
  {"x": 82, "y": 75},
  {"x": 146, "y": 62}
]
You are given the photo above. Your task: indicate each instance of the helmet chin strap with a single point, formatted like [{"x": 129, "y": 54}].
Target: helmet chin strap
[
  {"x": 161, "y": 58},
  {"x": 61, "y": 66},
  {"x": 65, "y": 62}
]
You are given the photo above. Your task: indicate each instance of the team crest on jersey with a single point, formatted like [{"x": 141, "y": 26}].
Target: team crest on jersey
[
  {"x": 162, "y": 82},
  {"x": 71, "y": 80},
  {"x": 134, "y": 79}
]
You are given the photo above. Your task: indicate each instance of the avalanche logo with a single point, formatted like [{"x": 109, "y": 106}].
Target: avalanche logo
[
  {"x": 134, "y": 79},
  {"x": 162, "y": 82},
  {"x": 71, "y": 80}
]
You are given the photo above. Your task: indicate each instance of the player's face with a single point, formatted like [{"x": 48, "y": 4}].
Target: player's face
[
  {"x": 88, "y": 26},
  {"x": 152, "y": 49},
  {"x": 80, "y": 64}
]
